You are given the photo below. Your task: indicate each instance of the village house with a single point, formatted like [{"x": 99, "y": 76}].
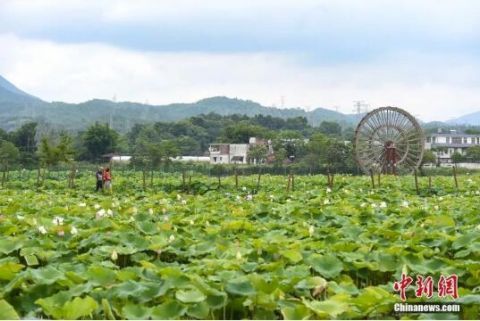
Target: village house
[
  {"x": 444, "y": 145},
  {"x": 236, "y": 153}
]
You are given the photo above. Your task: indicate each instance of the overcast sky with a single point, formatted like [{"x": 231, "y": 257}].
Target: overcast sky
[{"x": 423, "y": 56}]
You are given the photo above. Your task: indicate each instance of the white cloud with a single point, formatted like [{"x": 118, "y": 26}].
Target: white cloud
[{"x": 430, "y": 86}]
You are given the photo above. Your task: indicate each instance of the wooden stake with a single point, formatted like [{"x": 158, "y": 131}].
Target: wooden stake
[
  {"x": 289, "y": 182},
  {"x": 416, "y": 182},
  {"x": 236, "y": 177},
  {"x": 259, "y": 177},
  {"x": 429, "y": 182},
  {"x": 373, "y": 179},
  {"x": 183, "y": 179},
  {"x": 378, "y": 179},
  {"x": 293, "y": 182},
  {"x": 455, "y": 176}
]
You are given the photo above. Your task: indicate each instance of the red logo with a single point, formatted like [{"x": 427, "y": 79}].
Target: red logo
[{"x": 446, "y": 286}]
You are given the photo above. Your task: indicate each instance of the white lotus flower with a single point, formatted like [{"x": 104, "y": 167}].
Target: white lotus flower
[
  {"x": 326, "y": 202},
  {"x": 363, "y": 204},
  {"x": 405, "y": 204},
  {"x": 272, "y": 197},
  {"x": 383, "y": 205},
  {"x": 477, "y": 192},
  {"x": 238, "y": 198},
  {"x": 150, "y": 211},
  {"x": 244, "y": 188},
  {"x": 329, "y": 190},
  {"x": 96, "y": 206},
  {"x": 440, "y": 198},
  {"x": 184, "y": 202},
  {"x": 73, "y": 230},
  {"x": 82, "y": 204},
  {"x": 165, "y": 218},
  {"x": 249, "y": 197},
  {"x": 171, "y": 238},
  {"x": 238, "y": 255},
  {"x": 57, "y": 220},
  {"x": 436, "y": 207},
  {"x": 42, "y": 229},
  {"x": 20, "y": 218},
  {"x": 61, "y": 233},
  {"x": 10, "y": 199},
  {"x": 109, "y": 212},
  {"x": 311, "y": 230},
  {"x": 374, "y": 205},
  {"x": 192, "y": 222},
  {"x": 114, "y": 255},
  {"x": 179, "y": 197},
  {"x": 100, "y": 213},
  {"x": 469, "y": 181}
]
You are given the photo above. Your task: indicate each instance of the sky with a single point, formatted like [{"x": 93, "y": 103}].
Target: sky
[{"x": 423, "y": 56}]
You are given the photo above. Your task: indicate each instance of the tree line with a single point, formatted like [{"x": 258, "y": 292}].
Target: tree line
[{"x": 294, "y": 140}]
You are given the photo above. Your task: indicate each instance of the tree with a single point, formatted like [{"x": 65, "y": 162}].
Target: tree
[
  {"x": 257, "y": 154},
  {"x": 24, "y": 139},
  {"x": 316, "y": 149},
  {"x": 241, "y": 133},
  {"x": 330, "y": 128},
  {"x": 457, "y": 158},
  {"x": 473, "y": 153},
  {"x": 428, "y": 158},
  {"x": 99, "y": 140},
  {"x": 9, "y": 154}
]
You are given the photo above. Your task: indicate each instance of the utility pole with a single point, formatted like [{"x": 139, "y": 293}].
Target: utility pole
[{"x": 359, "y": 106}]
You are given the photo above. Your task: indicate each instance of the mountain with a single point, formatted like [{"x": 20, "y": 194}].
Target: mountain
[
  {"x": 17, "y": 107},
  {"x": 10, "y": 93},
  {"x": 470, "y": 119}
]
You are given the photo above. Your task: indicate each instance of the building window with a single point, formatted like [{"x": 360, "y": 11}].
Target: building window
[
  {"x": 429, "y": 139},
  {"x": 214, "y": 159},
  {"x": 456, "y": 140}
]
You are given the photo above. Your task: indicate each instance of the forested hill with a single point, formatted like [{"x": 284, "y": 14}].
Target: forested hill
[{"x": 18, "y": 107}]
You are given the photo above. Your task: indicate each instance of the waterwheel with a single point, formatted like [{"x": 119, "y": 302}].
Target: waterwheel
[{"x": 388, "y": 140}]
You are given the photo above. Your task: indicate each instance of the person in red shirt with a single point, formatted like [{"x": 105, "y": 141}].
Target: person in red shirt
[{"x": 107, "y": 179}]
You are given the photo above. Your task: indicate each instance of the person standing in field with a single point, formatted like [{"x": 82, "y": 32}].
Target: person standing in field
[
  {"x": 99, "y": 177},
  {"x": 107, "y": 178}
]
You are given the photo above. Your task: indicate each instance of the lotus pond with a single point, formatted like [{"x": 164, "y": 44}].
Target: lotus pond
[{"x": 233, "y": 253}]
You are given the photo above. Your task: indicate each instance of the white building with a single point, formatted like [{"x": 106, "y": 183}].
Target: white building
[
  {"x": 444, "y": 145},
  {"x": 228, "y": 153},
  {"x": 235, "y": 153}
]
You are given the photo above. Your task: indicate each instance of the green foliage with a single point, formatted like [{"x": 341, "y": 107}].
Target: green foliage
[
  {"x": 8, "y": 154},
  {"x": 473, "y": 154},
  {"x": 50, "y": 154},
  {"x": 457, "y": 158},
  {"x": 429, "y": 157},
  {"x": 330, "y": 128},
  {"x": 100, "y": 139},
  {"x": 229, "y": 254},
  {"x": 257, "y": 154}
]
